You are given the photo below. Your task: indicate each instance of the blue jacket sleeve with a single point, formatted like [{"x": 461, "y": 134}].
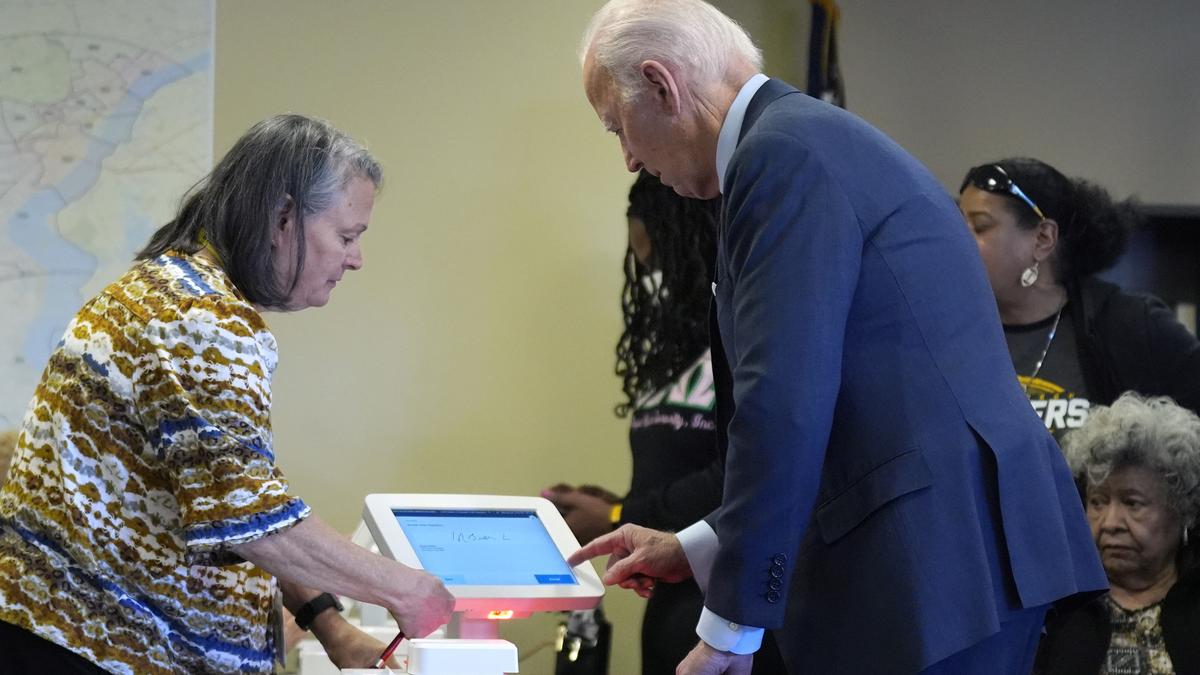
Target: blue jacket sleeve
[{"x": 792, "y": 249}]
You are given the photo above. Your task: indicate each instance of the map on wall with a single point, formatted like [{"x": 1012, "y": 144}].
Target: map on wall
[{"x": 105, "y": 121}]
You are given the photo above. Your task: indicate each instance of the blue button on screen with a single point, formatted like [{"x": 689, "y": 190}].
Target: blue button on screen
[{"x": 554, "y": 578}]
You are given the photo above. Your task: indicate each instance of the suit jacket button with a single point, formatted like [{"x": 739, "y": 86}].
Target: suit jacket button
[
  {"x": 776, "y": 572},
  {"x": 775, "y": 584},
  {"x": 779, "y": 559},
  {"x": 772, "y": 596}
]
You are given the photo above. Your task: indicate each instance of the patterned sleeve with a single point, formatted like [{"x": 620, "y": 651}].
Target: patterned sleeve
[{"x": 205, "y": 390}]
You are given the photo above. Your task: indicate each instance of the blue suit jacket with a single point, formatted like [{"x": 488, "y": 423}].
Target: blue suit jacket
[{"x": 890, "y": 495}]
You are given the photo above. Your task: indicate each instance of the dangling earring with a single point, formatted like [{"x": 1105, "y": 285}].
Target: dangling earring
[
  {"x": 1030, "y": 276},
  {"x": 1185, "y": 537}
]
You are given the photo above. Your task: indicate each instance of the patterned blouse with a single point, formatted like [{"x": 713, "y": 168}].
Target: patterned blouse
[
  {"x": 146, "y": 454},
  {"x": 1137, "y": 646}
]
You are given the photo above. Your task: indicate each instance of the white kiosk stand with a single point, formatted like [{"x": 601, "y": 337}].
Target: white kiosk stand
[{"x": 501, "y": 557}]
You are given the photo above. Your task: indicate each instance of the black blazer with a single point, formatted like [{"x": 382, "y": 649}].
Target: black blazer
[{"x": 1132, "y": 341}]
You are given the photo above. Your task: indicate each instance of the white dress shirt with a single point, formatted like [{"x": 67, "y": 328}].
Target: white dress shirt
[{"x": 699, "y": 540}]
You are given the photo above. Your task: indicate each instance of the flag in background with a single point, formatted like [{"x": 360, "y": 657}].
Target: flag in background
[{"x": 824, "y": 74}]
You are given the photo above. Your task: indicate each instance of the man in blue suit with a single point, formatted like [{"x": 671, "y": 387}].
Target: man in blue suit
[{"x": 892, "y": 504}]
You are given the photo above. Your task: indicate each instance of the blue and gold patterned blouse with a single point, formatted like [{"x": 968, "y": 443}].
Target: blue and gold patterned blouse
[{"x": 146, "y": 454}]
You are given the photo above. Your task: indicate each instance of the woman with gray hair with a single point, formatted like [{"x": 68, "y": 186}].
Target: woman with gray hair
[
  {"x": 145, "y": 527},
  {"x": 1139, "y": 463}
]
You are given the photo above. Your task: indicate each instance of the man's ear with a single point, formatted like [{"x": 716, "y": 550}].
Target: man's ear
[
  {"x": 284, "y": 224},
  {"x": 663, "y": 85}
]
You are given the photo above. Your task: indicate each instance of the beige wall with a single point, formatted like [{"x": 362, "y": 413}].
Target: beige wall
[
  {"x": 1103, "y": 90},
  {"x": 474, "y": 352}
]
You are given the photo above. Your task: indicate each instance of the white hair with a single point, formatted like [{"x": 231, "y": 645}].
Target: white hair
[
  {"x": 689, "y": 34},
  {"x": 1151, "y": 432}
]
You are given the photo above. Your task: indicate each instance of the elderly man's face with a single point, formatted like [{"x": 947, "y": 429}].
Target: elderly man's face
[
  {"x": 651, "y": 136},
  {"x": 1133, "y": 523}
]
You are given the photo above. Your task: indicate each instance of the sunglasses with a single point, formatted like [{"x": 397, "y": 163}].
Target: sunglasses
[{"x": 992, "y": 178}]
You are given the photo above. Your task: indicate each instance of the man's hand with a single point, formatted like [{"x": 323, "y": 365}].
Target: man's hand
[
  {"x": 586, "y": 514},
  {"x": 637, "y": 558},
  {"x": 704, "y": 660}
]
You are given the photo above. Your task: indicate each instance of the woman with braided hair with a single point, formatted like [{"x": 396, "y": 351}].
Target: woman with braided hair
[
  {"x": 1076, "y": 341},
  {"x": 666, "y": 370},
  {"x": 665, "y": 300}
]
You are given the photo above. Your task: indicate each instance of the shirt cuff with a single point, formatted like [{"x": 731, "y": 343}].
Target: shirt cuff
[
  {"x": 728, "y": 636},
  {"x": 699, "y": 543}
]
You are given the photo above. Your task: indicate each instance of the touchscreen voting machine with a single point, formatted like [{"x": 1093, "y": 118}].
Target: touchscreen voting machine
[{"x": 501, "y": 557}]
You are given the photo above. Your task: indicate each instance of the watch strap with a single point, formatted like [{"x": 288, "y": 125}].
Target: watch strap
[{"x": 310, "y": 610}]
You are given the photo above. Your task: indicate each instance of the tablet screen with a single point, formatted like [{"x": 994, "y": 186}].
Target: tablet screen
[{"x": 484, "y": 547}]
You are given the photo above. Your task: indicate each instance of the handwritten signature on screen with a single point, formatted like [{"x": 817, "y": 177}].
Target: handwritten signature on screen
[{"x": 477, "y": 537}]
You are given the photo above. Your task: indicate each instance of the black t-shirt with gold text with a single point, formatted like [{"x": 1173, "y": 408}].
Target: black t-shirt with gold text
[{"x": 1058, "y": 393}]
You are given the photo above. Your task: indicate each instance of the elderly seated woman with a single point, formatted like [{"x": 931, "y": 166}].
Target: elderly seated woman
[{"x": 1140, "y": 462}]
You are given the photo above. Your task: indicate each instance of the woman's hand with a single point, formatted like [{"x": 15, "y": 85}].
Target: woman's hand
[
  {"x": 586, "y": 510},
  {"x": 420, "y": 602},
  {"x": 292, "y": 634},
  {"x": 346, "y": 645},
  {"x": 311, "y": 555}
]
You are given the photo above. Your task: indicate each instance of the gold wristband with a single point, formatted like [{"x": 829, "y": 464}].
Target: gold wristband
[{"x": 614, "y": 514}]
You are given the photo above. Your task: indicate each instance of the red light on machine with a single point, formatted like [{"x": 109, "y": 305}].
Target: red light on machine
[{"x": 500, "y": 614}]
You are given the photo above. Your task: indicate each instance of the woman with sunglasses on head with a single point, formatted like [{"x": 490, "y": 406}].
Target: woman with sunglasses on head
[{"x": 1075, "y": 340}]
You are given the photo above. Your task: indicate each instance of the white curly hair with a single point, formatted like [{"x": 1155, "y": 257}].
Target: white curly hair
[{"x": 1153, "y": 432}]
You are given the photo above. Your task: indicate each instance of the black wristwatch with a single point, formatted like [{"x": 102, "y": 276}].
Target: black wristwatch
[{"x": 309, "y": 610}]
